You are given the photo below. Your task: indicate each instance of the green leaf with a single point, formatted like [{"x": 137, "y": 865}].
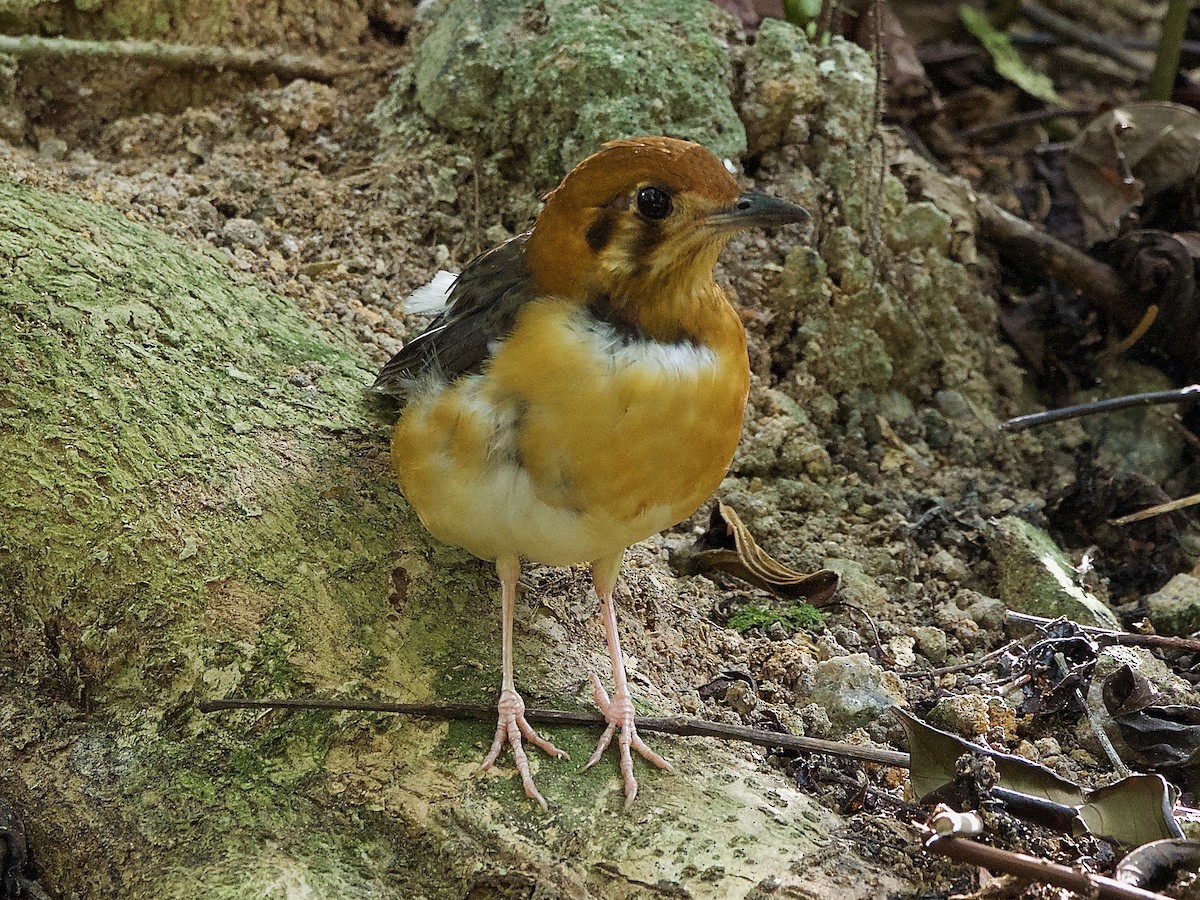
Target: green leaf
[{"x": 1008, "y": 63}]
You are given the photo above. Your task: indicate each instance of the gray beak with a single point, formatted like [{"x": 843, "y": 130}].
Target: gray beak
[{"x": 754, "y": 210}]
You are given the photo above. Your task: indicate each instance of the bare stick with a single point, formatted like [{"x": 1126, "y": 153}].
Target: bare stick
[
  {"x": 1029, "y": 118},
  {"x": 1108, "y": 636},
  {"x": 1099, "y": 283},
  {"x": 1040, "y": 870},
  {"x": 1160, "y": 509},
  {"x": 1020, "y": 423},
  {"x": 963, "y": 666},
  {"x": 680, "y": 725},
  {"x": 175, "y": 56}
]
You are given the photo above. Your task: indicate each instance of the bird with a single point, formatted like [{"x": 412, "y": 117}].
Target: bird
[{"x": 583, "y": 390}]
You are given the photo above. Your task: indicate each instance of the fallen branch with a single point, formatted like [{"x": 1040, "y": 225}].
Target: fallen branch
[
  {"x": 1039, "y": 870},
  {"x": 1099, "y": 283},
  {"x": 680, "y": 725},
  {"x": 1077, "y": 34},
  {"x": 175, "y": 56}
]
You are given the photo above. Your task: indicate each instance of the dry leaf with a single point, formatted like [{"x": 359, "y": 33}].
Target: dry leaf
[{"x": 729, "y": 547}]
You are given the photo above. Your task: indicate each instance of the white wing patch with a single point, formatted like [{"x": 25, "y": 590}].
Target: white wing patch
[{"x": 431, "y": 298}]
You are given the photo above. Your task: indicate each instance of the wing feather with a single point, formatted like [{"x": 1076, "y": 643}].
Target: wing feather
[{"x": 483, "y": 305}]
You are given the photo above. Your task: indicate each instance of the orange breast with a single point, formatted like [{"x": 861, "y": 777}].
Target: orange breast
[
  {"x": 572, "y": 444},
  {"x": 624, "y": 431}
]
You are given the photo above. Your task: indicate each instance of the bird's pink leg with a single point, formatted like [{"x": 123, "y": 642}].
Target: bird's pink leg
[
  {"x": 618, "y": 710},
  {"x": 512, "y": 725}
]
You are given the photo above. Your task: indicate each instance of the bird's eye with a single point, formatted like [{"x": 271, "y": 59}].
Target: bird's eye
[{"x": 654, "y": 203}]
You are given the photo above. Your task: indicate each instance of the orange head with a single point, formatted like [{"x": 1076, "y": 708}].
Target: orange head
[{"x": 638, "y": 226}]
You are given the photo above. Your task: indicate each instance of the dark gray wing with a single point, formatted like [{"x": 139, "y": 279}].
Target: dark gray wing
[{"x": 483, "y": 305}]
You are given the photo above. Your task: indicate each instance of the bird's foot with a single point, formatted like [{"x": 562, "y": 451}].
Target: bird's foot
[
  {"x": 509, "y": 730},
  {"x": 618, "y": 711}
]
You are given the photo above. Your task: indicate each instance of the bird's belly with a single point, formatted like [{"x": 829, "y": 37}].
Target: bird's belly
[{"x": 576, "y": 460}]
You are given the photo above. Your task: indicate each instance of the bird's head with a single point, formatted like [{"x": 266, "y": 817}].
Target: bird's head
[{"x": 637, "y": 228}]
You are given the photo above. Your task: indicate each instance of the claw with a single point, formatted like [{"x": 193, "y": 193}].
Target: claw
[
  {"x": 618, "y": 712},
  {"x": 510, "y": 727}
]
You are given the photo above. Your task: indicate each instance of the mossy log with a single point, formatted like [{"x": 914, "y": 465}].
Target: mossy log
[{"x": 196, "y": 501}]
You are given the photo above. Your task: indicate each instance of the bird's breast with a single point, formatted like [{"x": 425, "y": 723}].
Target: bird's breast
[{"x": 576, "y": 440}]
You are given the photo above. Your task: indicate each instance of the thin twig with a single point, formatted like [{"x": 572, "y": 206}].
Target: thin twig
[
  {"x": 1151, "y": 398},
  {"x": 883, "y": 654},
  {"x": 1040, "y": 870},
  {"x": 1093, "y": 721},
  {"x": 1183, "y": 431},
  {"x": 175, "y": 56},
  {"x": 1045, "y": 39},
  {"x": 1077, "y": 34},
  {"x": 962, "y": 667},
  {"x": 1108, "y": 636},
  {"x": 1029, "y": 118},
  {"x": 680, "y": 725},
  {"x": 1158, "y": 510}
]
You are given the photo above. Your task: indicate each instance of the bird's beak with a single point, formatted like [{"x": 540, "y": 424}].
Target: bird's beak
[{"x": 753, "y": 210}]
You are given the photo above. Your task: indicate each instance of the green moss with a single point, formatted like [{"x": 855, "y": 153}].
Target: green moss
[{"x": 793, "y": 618}]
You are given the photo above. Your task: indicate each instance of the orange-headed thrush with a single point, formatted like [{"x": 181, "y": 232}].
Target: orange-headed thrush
[{"x": 583, "y": 390}]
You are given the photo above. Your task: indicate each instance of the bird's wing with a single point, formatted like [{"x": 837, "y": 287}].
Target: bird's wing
[{"x": 483, "y": 305}]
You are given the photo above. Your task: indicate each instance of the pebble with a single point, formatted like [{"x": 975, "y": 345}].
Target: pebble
[{"x": 243, "y": 233}]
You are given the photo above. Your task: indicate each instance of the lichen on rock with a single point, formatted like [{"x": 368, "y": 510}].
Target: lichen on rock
[{"x": 542, "y": 85}]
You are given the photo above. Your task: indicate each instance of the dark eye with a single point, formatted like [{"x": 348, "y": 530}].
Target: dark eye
[{"x": 654, "y": 203}]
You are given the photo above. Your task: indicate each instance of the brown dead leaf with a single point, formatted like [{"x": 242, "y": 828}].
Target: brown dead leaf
[
  {"x": 729, "y": 547},
  {"x": 1130, "y": 155}
]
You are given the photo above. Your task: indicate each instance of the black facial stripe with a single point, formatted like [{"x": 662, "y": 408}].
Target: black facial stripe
[
  {"x": 650, "y": 235},
  {"x": 600, "y": 232}
]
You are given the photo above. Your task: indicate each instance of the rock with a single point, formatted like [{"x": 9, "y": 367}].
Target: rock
[
  {"x": 930, "y": 643},
  {"x": 53, "y": 150},
  {"x": 1172, "y": 688},
  {"x": 1144, "y": 663},
  {"x": 1140, "y": 439},
  {"x": 1037, "y": 578},
  {"x": 945, "y": 563},
  {"x": 986, "y": 612},
  {"x": 1175, "y": 607},
  {"x": 853, "y": 690},
  {"x": 741, "y": 698},
  {"x": 243, "y": 233},
  {"x": 971, "y": 716},
  {"x": 900, "y": 648},
  {"x": 558, "y": 78},
  {"x": 782, "y": 87},
  {"x": 953, "y": 405},
  {"x": 857, "y": 586}
]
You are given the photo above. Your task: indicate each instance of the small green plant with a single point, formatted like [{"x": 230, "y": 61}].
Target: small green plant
[
  {"x": 793, "y": 618},
  {"x": 811, "y": 16}
]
